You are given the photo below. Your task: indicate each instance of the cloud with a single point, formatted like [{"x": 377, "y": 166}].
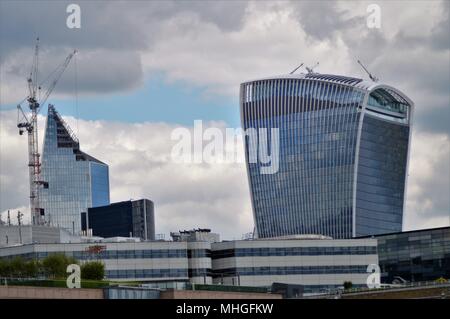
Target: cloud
[
  {"x": 139, "y": 156},
  {"x": 215, "y": 46},
  {"x": 428, "y": 202},
  {"x": 203, "y": 195},
  {"x": 110, "y": 41}
]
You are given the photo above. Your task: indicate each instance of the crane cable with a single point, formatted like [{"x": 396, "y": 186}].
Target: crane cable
[{"x": 76, "y": 95}]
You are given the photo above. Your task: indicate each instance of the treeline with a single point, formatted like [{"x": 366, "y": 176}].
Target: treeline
[{"x": 51, "y": 267}]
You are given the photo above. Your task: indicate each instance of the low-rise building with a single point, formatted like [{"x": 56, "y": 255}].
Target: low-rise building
[
  {"x": 418, "y": 255},
  {"x": 11, "y": 235},
  {"x": 124, "y": 261},
  {"x": 317, "y": 264}
]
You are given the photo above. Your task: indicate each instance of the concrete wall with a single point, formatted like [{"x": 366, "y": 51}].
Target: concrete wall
[
  {"x": 203, "y": 294},
  {"x": 10, "y": 235},
  {"x": 16, "y": 292}
]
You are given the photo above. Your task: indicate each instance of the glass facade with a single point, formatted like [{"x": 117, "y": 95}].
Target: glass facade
[
  {"x": 294, "y": 251},
  {"x": 76, "y": 180},
  {"x": 381, "y": 177},
  {"x": 292, "y": 270},
  {"x": 329, "y": 181},
  {"x": 420, "y": 255},
  {"x": 122, "y": 219}
]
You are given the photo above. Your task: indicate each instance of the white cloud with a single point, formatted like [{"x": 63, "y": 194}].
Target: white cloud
[
  {"x": 428, "y": 202},
  {"x": 205, "y": 50},
  {"x": 185, "y": 195},
  {"x": 270, "y": 42},
  {"x": 204, "y": 195}
]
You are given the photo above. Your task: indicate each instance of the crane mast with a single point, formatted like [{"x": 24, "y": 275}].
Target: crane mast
[{"x": 29, "y": 124}]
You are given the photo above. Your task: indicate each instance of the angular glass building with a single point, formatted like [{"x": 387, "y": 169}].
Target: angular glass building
[
  {"x": 343, "y": 155},
  {"x": 74, "y": 180}
]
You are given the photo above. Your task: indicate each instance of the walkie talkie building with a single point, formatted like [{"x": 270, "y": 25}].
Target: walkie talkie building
[{"x": 343, "y": 155}]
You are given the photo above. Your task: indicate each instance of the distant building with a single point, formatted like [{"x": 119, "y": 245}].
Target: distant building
[
  {"x": 74, "y": 180},
  {"x": 319, "y": 265},
  {"x": 153, "y": 262},
  {"x": 343, "y": 155},
  {"x": 14, "y": 235},
  {"x": 418, "y": 255},
  {"x": 199, "y": 234},
  {"x": 123, "y": 219}
]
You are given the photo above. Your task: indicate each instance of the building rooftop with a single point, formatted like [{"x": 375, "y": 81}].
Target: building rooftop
[{"x": 388, "y": 91}]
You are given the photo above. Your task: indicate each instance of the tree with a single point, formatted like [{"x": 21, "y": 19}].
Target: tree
[
  {"x": 55, "y": 265},
  {"x": 93, "y": 270},
  {"x": 348, "y": 285},
  {"x": 19, "y": 268},
  {"x": 32, "y": 268},
  {"x": 5, "y": 268}
]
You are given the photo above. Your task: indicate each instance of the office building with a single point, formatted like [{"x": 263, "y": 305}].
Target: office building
[
  {"x": 74, "y": 180},
  {"x": 319, "y": 265},
  {"x": 200, "y": 234},
  {"x": 124, "y": 261},
  {"x": 343, "y": 155},
  {"x": 124, "y": 219},
  {"x": 418, "y": 255},
  {"x": 11, "y": 235},
  {"x": 199, "y": 252}
]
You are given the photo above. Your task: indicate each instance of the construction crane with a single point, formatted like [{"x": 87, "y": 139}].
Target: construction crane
[{"x": 29, "y": 124}]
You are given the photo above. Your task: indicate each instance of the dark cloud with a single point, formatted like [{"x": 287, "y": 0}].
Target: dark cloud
[
  {"x": 219, "y": 44},
  {"x": 110, "y": 41},
  {"x": 322, "y": 19}
]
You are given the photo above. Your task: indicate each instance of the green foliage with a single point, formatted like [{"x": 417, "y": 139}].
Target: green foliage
[
  {"x": 93, "y": 270},
  {"x": 53, "y": 268},
  {"x": 5, "y": 268},
  {"x": 55, "y": 265},
  {"x": 348, "y": 285},
  {"x": 19, "y": 268}
]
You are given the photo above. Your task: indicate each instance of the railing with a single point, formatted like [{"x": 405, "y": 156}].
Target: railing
[{"x": 383, "y": 287}]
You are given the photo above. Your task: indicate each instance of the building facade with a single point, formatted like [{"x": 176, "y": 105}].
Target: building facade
[
  {"x": 27, "y": 234},
  {"x": 124, "y": 219},
  {"x": 318, "y": 265},
  {"x": 151, "y": 262},
  {"x": 343, "y": 155},
  {"x": 74, "y": 180},
  {"x": 419, "y": 255}
]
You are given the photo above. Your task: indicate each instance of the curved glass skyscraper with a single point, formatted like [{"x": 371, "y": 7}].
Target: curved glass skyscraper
[
  {"x": 75, "y": 181},
  {"x": 343, "y": 155}
]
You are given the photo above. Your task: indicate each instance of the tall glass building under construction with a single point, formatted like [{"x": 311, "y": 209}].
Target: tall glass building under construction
[
  {"x": 75, "y": 181},
  {"x": 343, "y": 155}
]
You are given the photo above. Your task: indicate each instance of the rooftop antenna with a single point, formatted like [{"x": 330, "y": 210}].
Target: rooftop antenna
[
  {"x": 373, "y": 78},
  {"x": 292, "y": 72},
  {"x": 311, "y": 69}
]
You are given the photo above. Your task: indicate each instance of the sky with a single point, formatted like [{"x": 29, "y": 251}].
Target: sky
[{"x": 145, "y": 68}]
